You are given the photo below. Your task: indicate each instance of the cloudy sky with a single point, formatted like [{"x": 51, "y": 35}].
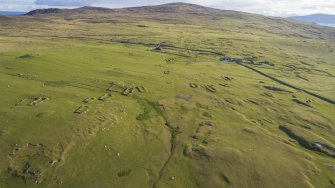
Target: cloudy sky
[{"x": 265, "y": 7}]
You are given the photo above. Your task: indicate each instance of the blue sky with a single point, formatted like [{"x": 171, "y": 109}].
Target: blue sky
[{"x": 265, "y": 7}]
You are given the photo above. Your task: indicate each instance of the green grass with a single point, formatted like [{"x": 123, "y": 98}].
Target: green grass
[{"x": 146, "y": 139}]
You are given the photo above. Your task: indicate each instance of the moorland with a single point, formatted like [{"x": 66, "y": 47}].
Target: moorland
[{"x": 175, "y": 95}]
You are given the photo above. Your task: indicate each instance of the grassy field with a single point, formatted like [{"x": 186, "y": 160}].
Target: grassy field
[{"x": 86, "y": 102}]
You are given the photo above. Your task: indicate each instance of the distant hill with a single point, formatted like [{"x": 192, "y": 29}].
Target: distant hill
[
  {"x": 185, "y": 8},
  {"x": 317, "y": 18},
  {"x": 185, "y": 13},
  {"x": 10, "y": 13},
  {"x": 168, "y": 13},
  {"x": 165, "y": 8},
  {"x": 181, "y": 13}
]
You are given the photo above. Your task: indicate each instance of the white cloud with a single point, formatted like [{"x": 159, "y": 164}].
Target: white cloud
[
  {"x": 20, "y": 5},
  {"x": 274, "y": 7},
  {"x": 75, "y": 3},
  {"x": 266, "y": 7}
]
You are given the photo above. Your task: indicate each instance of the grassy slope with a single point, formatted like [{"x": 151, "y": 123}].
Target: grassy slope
[{"x": 111, "y": 146}]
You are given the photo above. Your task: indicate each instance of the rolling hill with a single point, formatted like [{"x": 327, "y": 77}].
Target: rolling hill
[
  {"x": 175, "y": 95},
  {"x": 317, "y": 18}
]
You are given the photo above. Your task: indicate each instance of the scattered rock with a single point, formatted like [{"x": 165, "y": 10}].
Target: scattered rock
[
  {"x": 309, "y": 101},
  {"x": 264, "y": 63},
  {"x": 124, "y": 173},
  {"x": 206, "y": 123},
  {"x": 306, "y": 127},
  {"x": 229, "y": 59},
  {"x": 188, "y": 151},
  {"x": 183, "y": 96},
  {"x": 300, "y": 102},
  {"x": 224, "y": 84},
  {"x": 276, "y": 89},
  {"x": 195, "y": 137},
  {"x": 158, "y": 48},
  {"x": 323, "y": 146},
  {"x": 38, "y": 100},
  {"x": 141, "y": 89},
  {"x": 225, "y": 178},
  {"x": 89, "y": 100},
  {"x": 106, "y": 97},
  {"x": 82, "y": 110},
  {"x": 200, "y": 152},
  {"x": 25, "y": 56},
  {"x": 228, "y": 78},
  {"x": 169, "y": 60},
  {"x": 115, "y": 87},
  {"x": 266, "y": 94},
  {"x": 127, "y": 91},
  {"x": 193, "y": 85},
  {"x": 253, "y": 101},
  {"x": 45, "y": 114},
  {"x": 28, "y": 76},
  {"x": 210, "y": 88},
  {"x": 331, "y": 166}
]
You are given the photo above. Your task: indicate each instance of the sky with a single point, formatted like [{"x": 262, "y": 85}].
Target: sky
[{"x": 282, "y": 8}]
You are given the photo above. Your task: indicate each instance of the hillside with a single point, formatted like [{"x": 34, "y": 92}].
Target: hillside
[
  {"x": 175, "y": 95},
  {"x": 317, "y": 18},
  {"x": 183, "y": 13}
]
